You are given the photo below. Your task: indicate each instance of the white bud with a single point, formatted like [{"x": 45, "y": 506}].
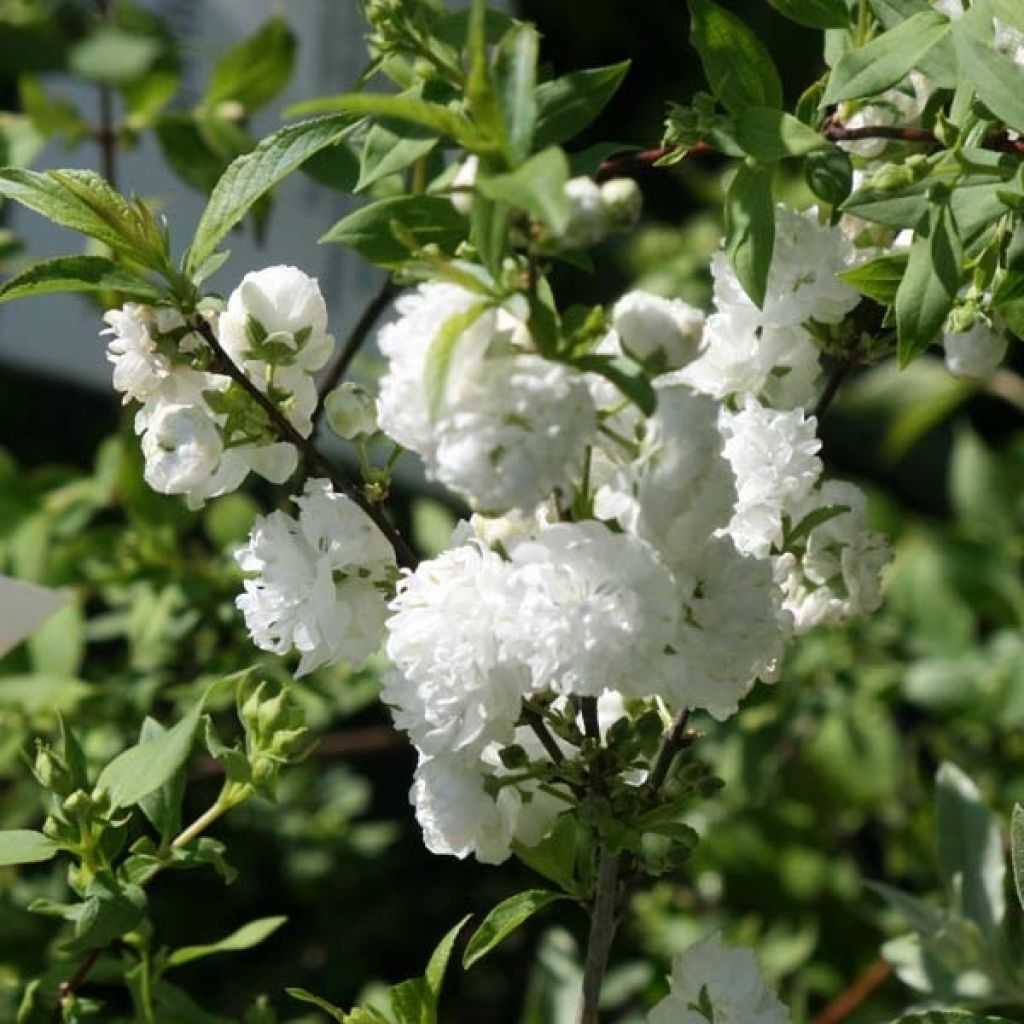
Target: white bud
[
  {"x": 622, "y": 201},
  {"x": 975, "y": 353},
  {"x": 588, "y": 218},
  {"x": 462, "y": 185},
  {"x": 351, "y": 411}
]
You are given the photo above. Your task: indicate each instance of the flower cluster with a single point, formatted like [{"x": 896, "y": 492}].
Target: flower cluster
[{"x": 200, "y": 434}]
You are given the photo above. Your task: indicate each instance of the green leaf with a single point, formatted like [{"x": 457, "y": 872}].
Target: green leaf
[
  {"x": 536, "y": 187},
  {"x": 515, "y": 72},
  {"x": 144, "y": 768},
  {"x": 257, "y": 69},
  {"x": 83, "y": 201},
  {"x": 78, "y": 274},
  {"x": 113, "y": 56},
  {"x": 386, "y": 152},
  {"x": 814, "y": 13},
  {"x": 949, "y": 1017},
  {"x": 253, "y": 175},
  {"x": 441, "y": 354},
  {"x": 829, "y": 174},
  {"x": 481, "y": 96},
  {"x": 566, "y": 105},
  {"x": 23, "y": 846},
  {"x": 878, "y": 279},
  {"x": 246, "y": 937},
  {"x": 383, "y": 232},
  {"x": 970, "y": 849},
  {"x": 768, "y": 134},
  {"x": 307, "y": 997},
  {"x": 489, "y": 232},
  {"x": 504, "y": 919},
  {"x": 163, "y": 806},
  {"x": 1017, "y": 851},
  {"x": 434, "y": 975},
  {"x": 874, "y": 67},
  {"x": 105, "y": 915},
  {"x": 739, "y": 69},
  {"x": 997, "y": 81},
  {"x": 1009, "y": 12},
  {"x": 438, "y": 118},
  {"x": 41, "y": 694},
  {"x": 929, "y": 286},
  {"x": 626, "y": 374},
  {"x": 554, "y": 856},
  {"x": 750, "y": 227}
]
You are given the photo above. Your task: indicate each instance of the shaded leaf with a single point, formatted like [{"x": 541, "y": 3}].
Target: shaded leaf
[
  {"x": 23, "y": 846},
  {"x": 78, "y": 274},
  {"x": 246, "y": 937},
  {"x": 257, "y": 69},
  {"x": 504, "y": 919},
  {"x": 566, "y": 105},
  {"x": 750, "y": 228}
]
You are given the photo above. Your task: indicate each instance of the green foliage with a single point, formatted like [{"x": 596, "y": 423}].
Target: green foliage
[
  {"x": 750, "y": 227},
  {"x": 504, "y": 919}
]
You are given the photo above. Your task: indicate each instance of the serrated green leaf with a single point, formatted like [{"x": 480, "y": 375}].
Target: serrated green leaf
[
  {"x": 566, "y": 105},
  {"x": 382, "y": 232},
  {"x": 253, "y": 175},
  {"x": 246, "y": 937},
  {"x": 883, "y": 62},
  {"x": 739, "y": 69},
  {"x": 441, "y": 355},
  {"x": 433, "y": 977},
  {"x": 504, "y": 919},
  {"x": 144, "y": 768},
  {"x": 386, "y": 152},
  {"x": 23, "y": 846},
  {"x": 750, "y": 227},
  {"x": 929, "y": 286},
  {"x": 997, "y": 81},
  {"x": 257, "y": 69},
  {"x": 814, "y": 13},
  {"x": 537, "y": 187},
  {"x": 78, "y": 274},
  {"x": 769, "y": 134},
  {"x": 878, "y": 279},
  {"x": 970, "y": 849},
  {"x": 1017, "y": 851}
]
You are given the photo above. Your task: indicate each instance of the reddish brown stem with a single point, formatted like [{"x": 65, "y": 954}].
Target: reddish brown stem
[
  {"x": 633, "y": 163},
  {"x": 846, "y": 1002}
]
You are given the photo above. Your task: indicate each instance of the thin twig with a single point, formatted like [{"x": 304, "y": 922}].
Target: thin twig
[
  {"x": 836, "y": 131},
  {"x": 603, "y": 925},
  {"x": 633, "y": 163},
  {"x": 844, "y": 1004},
  {"x": 355, "y": 341},
  {"x": 591, "y": 722},
  {"x": 107, "y": 135},
  {"x": 70, "y": 987},
  {"x": 534, "y": 720},
  {"x": 669, "y": 748},
  {"x": 284, "y": 427},
  {"x": 831, "y": 388}
]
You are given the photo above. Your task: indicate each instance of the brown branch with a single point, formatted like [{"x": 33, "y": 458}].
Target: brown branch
[
  {"x": 670, "y": 747},
  {"x": 843, "y": 1005},
  {"x": 285, "y": 429},
  {"x": 643, "y": 160},
  {"x": 533, "y": 719},
  {"x": 70, "y": 987},
  {"x": 107, "y": 135},
  {"x": 355, "y": 341},
  {"x": 835, "y": 381},
  {"x": 835, "y": 131}
]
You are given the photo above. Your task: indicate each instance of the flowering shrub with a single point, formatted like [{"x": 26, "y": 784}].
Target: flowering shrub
[{"x": 650, "y": 527}]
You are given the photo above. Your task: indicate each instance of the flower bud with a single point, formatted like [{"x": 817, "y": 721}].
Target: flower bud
[
  {"x": 622, "y": 202},
  {"x": 975, "y": 352},
  {"x": 588, "y": 218},
  {"x": 462, "y": 186},
  {"x": 351, "y": 411}
]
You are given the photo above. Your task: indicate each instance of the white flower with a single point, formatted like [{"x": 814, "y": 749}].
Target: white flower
[
  {"x": 652, "y": 328},
  {"x": 679, "y": 489},
  {"x": 774, "y": 458},
  {"x": 351, "y": 411},
  {"x": 902, "y": 105},
  {"x": 596, "y": 610},
  {"x": 402, "y": 407},
  {"x": 516, "y": 432},
  {"x": 740, "y": 355},
  {"x": 837, "y": 573},
  {"x": 321, "y": 580},
  {"x": 454, "y": 687},
  {"x": 727, "y": 982},
  {"x": 588, "y": 219},
  {"x": 976, "y": 353},
  {"x": 730, "y": 633},
  {"x": 802, "y": 281},
  {"x": 275, "y": 329},
  {"x": 140, "y": 369},
  {"x": 463, "y": 184},
  {"x": 457, "y": 815},
  {"x": 182, "y": 448}
]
